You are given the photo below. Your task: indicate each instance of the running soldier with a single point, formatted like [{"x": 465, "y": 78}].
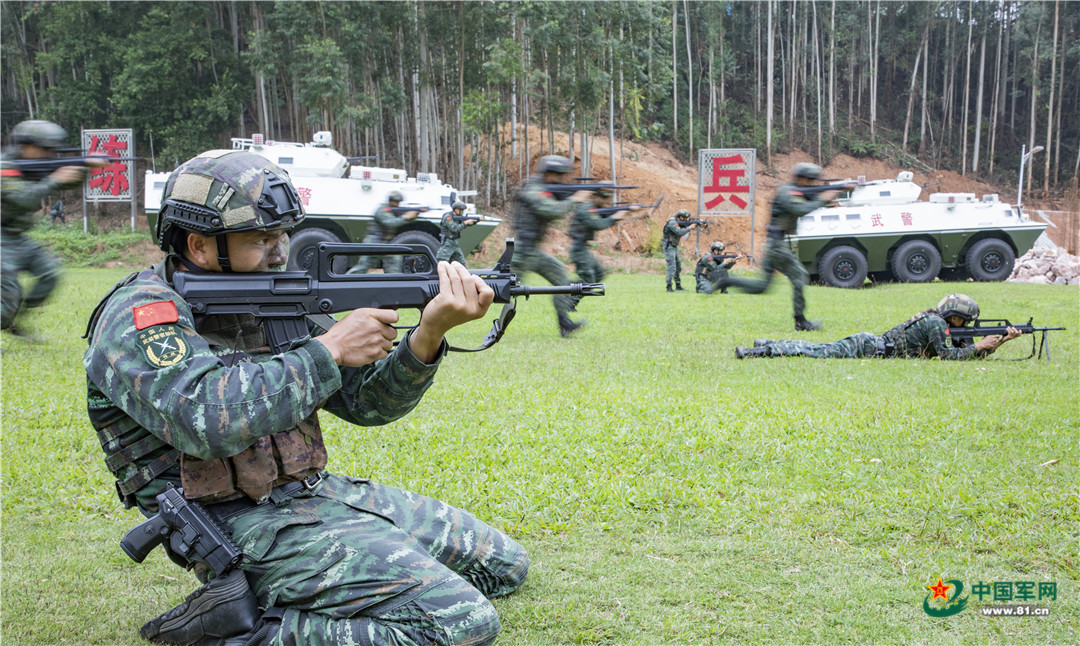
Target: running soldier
[
  {"x": 381, "y": 230},
  {"x": 586, "y": 222},
  {"x": 450, "y": 228}
]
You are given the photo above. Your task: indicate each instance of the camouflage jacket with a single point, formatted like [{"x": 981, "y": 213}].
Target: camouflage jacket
[
  {"x": 450, "y": 229},
  {"x": 534, "y": 211},
  {"x": 926, "y": 335},
  {"x": 20, "y": 198},
  {"x": 586, "y": 222},
  {"x": 707, "y": 263},
  {"x": 673, "y": 233},
  {"x": 384, "y": 225},
  {"x": 191, "y": 400},
  {"x": 789, "y": 205}
]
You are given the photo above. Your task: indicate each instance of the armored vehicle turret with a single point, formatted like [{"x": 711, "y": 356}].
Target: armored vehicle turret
[
  {"x": 340, "y": 196},
  {"x": 881, "y": 229}
]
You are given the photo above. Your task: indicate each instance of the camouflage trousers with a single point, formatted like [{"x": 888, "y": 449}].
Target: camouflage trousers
[
  {"x": 532, "y": 259},
  {"x": 589, "y": 269},
  {"x": 863, "y": 344},
  {"x": 709, "y": 283},
  {"x": 450, "y": 251},
  {"x": 19, "y": 254},
  {"x": 390, "y": 264},
  {"x": 357, "y": 563},
  {"x": 674, "y": 266},
  {"x": 778, "y": 257}
]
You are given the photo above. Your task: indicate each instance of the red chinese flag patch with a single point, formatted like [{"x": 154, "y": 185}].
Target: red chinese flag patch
[
  {"x": 155, "y": 314},
  {"x": 10, "y": 172}
]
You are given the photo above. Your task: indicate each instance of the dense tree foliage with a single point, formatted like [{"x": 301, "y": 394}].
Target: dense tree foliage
[{"x": 947, "y": 84}]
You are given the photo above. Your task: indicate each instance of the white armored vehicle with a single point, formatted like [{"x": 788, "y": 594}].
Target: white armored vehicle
[
  {"x": 881, "y": 229},
  {"x": 340, "y": 198}
]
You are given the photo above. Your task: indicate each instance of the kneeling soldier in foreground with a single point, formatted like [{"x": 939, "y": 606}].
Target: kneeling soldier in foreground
[
  {"x": 925, "y": 335},
  {"x": 198, "y": 402}
]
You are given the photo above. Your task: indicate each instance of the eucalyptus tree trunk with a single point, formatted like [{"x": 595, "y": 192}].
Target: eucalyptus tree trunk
[
  {"x": 689, "y": 83},
  {"x": 769, "y": 87},
  {"x": 675, "y": 67},
  {"x": 832, "y": 71},
  {"x": 1034, "y": 94},
  {"x": 922, "y": 112},
  {"x": 1050, "y": 106},
  {"x": 911, "y": 88},
  {"x": 994, "y": 104},
  {"x": 1060, "y": 106},
  {"x": 978, "y": 105},
  {"x": 967, "y": 88}
]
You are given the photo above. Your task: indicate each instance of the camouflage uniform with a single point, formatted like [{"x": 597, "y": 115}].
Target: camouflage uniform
[
  {"x": 381, "y": 230},
  {"x": 710, "y": 271},
  {"x": 200, "y": 402},
  {"x": 673, "y": 235},
  {"x": 450, "y": 233},
  {"x": 923, "y": 336},
  {"x": 788, "y": 206},
  {"x": 583, "y": 227},
  {"x": 535, "y": 210},
  {"x": 21, "y": 199}
]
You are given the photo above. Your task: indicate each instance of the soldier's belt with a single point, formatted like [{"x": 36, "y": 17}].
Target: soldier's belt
[
  {"x": 223, "y": 510},
  {"x": 884, "y": 348}
]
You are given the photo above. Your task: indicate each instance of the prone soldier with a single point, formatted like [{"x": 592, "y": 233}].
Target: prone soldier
[
  {"x": 925, "y": 335},
  {"x": 712, "y": 269},
  {"x": 199, "y": 402}
]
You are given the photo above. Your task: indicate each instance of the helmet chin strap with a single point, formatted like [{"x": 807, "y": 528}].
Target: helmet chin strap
[{"x": 223, "y": 253}]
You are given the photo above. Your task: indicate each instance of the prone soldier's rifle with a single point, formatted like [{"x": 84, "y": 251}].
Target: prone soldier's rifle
[
  {"x": 283, "y": 300},
  {"x": 990, "y": 327}
]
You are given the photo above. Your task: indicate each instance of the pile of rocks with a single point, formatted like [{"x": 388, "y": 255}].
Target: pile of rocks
[{"x": 1047, "y": 266}]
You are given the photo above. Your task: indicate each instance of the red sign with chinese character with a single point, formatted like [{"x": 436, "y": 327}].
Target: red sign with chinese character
[
  {"x": 112, "y": 182},
  {"x": 726, "y": 181}
]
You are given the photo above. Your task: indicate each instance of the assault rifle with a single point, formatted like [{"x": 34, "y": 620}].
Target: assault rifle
[
  {"x": 989, "y": 327},
  {"x": 462, "y": 218},
  {"x": 282, "y": 300},
  {"x": 191, "y": 531},
  {"x": 608, "y": 211},
  {"x": 402, "y": 210},
  {"x": 728, "y": 256},
  {"x": 37, "y": 169},
  {"x": 813, "y": 191},
  {"x": 686, "y": 223},
  {"x": 563, "y": 191}
]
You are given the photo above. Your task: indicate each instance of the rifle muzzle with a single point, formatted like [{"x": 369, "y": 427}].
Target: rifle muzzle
[{"x": 573, "y": 289}]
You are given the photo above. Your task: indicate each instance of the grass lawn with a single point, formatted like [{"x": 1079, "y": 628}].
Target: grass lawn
[{"x": 667, "y": 493}]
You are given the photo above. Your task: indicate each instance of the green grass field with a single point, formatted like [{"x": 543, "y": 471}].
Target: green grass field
[{"x": 667, "y": 493}]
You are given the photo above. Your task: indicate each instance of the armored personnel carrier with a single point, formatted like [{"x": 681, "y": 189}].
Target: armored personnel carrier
[
  {"x": 340, "y": 195},
  {"x": 881, "y": 229}
]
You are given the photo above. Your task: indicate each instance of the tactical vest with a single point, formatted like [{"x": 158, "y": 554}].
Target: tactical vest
[
  {"x": 136, "y": 457},
  {"x": 898, "y": 337}
]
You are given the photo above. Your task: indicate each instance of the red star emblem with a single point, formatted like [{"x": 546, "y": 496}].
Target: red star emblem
[{"x": 939, "y": 590}]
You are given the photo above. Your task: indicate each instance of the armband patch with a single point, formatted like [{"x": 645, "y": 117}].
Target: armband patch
[
  {"x": 10, "y": 172},
  {"x": 163, "y": 345},
  {"x": 155, "y": 314}
]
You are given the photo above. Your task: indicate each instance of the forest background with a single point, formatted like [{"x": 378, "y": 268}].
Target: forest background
[{"x": 433, "y": 86}]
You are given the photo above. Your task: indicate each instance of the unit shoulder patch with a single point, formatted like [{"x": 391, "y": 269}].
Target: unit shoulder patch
[{"x": 163, "y": 345}]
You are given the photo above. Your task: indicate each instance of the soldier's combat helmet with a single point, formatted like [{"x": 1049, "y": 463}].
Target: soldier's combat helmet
[
  {"x": 226, "y": 191},
  {"x": 960, "y": 305},
  {"x": 682, "y": 214},
  {"x": 553, "y": 164},
  {"x": 458, "y": 205},
  {"x": 809, "y": 171},
  {"x": 717, "y": 247},
  {"x": 395, "y": 196},
  {"x": 38, "y": 133}
]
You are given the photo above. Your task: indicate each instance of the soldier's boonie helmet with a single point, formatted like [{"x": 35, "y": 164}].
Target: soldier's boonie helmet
[
  {"x": 227, "y": 191},
  {"x": 395, "y": 196},
  {"x": 960, "y": 305},
  {"x": 38, "y": 133},
  {"x": 717, "y": 247},
  {"x": 809, "y": 171},
  {"x": 458, "y": 206},
  {"x": 682, "y": 214},
  {"x": 553, "y": 164}
]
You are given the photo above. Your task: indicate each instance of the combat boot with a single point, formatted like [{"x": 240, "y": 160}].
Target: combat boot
[
  {"x": 678, "y": 287},
  {"x": 742, "y": 353},
  {"x": 670, "y": 289},
  {"x": 223, "y": 608},
  {"x": 762, "y": 342},
  {"x": 802, "y": 325},
  {"x": 567, "y": 326}
]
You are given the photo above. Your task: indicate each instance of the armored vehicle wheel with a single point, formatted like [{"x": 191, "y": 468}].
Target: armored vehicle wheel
[
  {"x": 990, "y": 260},
  {"x": 843, "y": 266},
  {"x": 304, "y": 247},
  {"x": 916, "y": 261},
  {"x": 417, "y": 264}
]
